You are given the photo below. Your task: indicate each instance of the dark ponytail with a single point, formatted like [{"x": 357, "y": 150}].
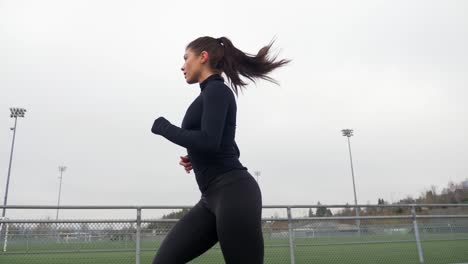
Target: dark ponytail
[{"x": 224, "y": 57}]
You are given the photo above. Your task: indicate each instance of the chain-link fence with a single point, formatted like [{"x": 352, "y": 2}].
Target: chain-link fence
[{"x": 381, "y": 234}]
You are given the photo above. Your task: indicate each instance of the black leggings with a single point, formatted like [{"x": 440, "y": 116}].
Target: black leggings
[{"x": 230, "y": 214}]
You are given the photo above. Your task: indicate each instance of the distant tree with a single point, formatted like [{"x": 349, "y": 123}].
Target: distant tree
[
  {"x": 321, "y": 210},
  {"x": 177, "y": 214},
  {"x": 407, "y": 200},
  {"x": 430, "y": 197},
  {"x": 166, "y": 226},
  {"x": 345, "y": 211},
  {"x": 434, "y": 190},
  {"x": 311, "y": 213}
]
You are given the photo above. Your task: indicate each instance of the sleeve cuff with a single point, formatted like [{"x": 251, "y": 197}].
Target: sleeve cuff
[{"x": 159, "y": 125}]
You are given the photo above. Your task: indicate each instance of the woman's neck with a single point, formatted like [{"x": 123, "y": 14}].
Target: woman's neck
[{"x": 205, "y": 74}]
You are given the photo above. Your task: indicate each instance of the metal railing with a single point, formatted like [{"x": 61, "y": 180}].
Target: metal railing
[{"x": 409, "y": 233}]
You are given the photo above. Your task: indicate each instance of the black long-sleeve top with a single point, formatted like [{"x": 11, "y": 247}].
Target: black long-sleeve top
[{"x": 208, "y": 132}]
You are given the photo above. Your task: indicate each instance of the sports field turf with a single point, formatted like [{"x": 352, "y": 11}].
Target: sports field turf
[{"x": 374, "y": 249}]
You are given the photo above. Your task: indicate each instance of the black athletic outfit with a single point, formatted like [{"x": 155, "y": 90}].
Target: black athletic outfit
[{"x": 230, "y": 207}]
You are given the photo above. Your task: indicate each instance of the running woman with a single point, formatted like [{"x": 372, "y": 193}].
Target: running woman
[{"x": 230, "y": 208}]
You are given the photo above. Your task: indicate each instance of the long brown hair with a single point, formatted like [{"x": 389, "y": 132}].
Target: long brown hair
[{"x": 224, "y": 57}]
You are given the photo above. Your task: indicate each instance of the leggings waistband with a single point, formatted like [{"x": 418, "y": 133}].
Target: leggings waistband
[{"x": 227, "y": 178}]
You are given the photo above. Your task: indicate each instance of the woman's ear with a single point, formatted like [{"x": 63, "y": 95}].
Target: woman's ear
[{"x": 204, "y": 56}]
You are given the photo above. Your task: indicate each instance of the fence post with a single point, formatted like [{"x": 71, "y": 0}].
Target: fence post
[
  {"x": 5, "y": 242},
  {"x": 416, "y": 234},
  {"x": 291, "y": 242},
  {"x": 138, "y": 237}
]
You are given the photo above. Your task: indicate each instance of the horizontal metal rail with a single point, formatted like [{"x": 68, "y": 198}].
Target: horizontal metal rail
[
  {"x": 129, "y": 207},
  {"x": 337, "y": 218}
]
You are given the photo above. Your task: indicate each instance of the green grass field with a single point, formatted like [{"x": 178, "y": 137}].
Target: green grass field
[{"x": 369, "y": 249}]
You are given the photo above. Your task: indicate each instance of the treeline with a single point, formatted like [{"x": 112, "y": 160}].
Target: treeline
[
  {"x": 176, "y": 215},
  {"x": 454, "y": 193}
]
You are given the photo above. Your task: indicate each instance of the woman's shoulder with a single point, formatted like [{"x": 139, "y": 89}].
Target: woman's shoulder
[{"x": 218, "y": 88}]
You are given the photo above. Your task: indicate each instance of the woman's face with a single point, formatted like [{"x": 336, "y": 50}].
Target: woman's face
[{"x": 192, "y": 67}]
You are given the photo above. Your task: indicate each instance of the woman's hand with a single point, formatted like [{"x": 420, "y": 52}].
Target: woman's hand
[
  {"x": 185, "y": 162},
  {"x": 160, "y": 125}
]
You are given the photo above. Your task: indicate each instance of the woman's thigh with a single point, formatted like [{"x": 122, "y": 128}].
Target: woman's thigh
[
  {"x": 194, "y": 234},
  {"x": 238, "y": 219}
]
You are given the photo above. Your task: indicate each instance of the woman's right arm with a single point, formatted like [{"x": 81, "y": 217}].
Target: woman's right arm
[{"x": 216, "y": 99}]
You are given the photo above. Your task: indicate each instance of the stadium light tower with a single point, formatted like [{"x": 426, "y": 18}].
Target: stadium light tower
[
  {"x": 15, "y": 113},
  {"x": 61, "y": 170},
  {"x": 349, "y": 133}
]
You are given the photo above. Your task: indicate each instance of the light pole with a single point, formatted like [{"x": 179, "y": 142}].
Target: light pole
[
  {"x": 15, "y": 113},
  {"x": 61, "y": 170},
  {"x": 349, "y": 133},
  {"x": 257, "y": 174}
]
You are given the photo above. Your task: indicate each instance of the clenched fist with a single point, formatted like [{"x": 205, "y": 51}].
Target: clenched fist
[{"x": 185, "y": 162}]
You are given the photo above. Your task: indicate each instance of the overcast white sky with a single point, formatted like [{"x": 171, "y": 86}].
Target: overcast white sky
[{"x": 93, "y": 76}]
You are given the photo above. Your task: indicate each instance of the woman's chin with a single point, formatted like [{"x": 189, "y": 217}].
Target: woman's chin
[{"x": 190, "y": 81}]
